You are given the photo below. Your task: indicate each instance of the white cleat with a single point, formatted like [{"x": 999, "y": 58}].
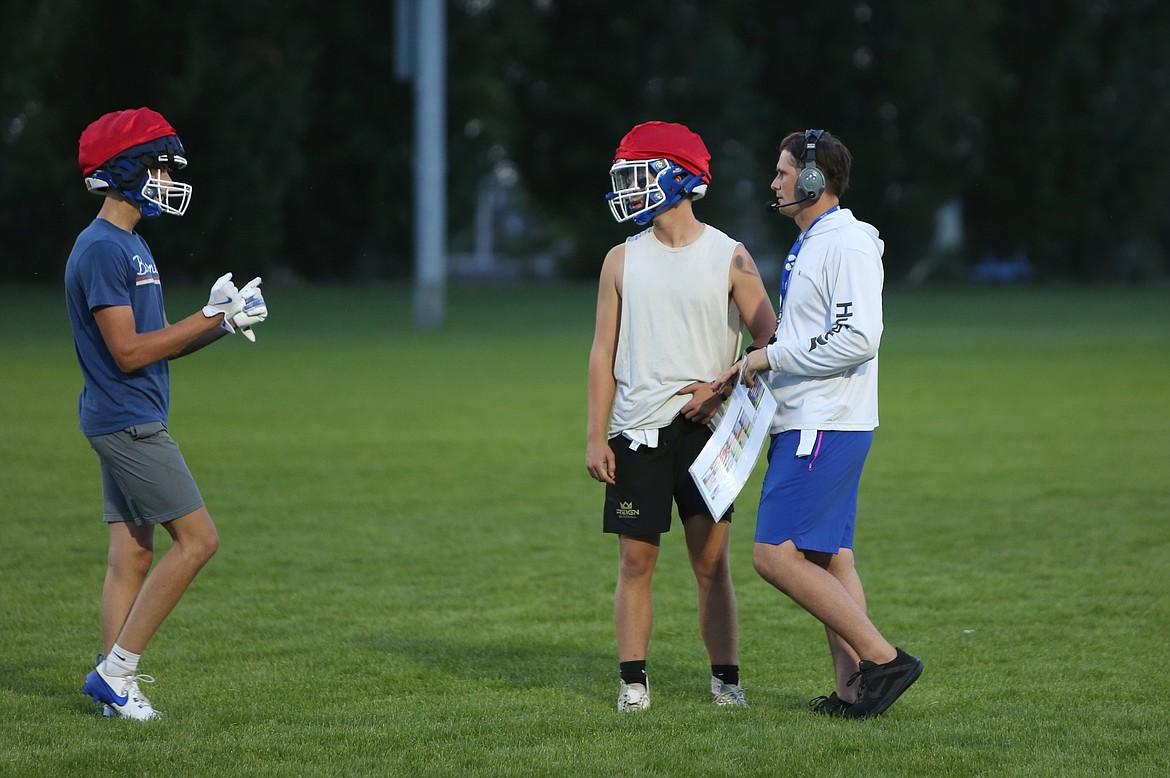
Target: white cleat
[
  {"x": 727, "y": 696},
  {"x": 634, "y": 696},
  {"x": 120, "y": 695}
]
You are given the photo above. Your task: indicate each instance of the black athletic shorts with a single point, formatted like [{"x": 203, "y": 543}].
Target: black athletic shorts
[{"x": 649, "y": 479}]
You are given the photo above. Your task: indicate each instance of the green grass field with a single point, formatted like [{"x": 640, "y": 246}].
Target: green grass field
[{"x": 413, "y": 581}]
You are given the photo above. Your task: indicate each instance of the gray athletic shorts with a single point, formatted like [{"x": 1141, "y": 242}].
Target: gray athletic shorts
[{"x": 144, "y": 477}]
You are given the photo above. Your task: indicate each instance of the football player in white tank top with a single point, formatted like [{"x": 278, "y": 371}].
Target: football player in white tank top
[{"x": 672, "y": 302}]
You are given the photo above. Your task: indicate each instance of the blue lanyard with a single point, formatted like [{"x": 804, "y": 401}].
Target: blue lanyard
[{"x": 793, "y": 252}]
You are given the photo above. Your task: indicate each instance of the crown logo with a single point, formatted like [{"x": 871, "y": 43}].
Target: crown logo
[{"x": 626, "y": 509}]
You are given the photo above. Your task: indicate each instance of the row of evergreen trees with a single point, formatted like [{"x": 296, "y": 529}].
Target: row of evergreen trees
[{"x": 1038, "y": 132}]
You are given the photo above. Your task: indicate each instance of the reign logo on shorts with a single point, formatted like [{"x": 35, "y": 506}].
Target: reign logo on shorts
[{"x": 627, "y": 510}]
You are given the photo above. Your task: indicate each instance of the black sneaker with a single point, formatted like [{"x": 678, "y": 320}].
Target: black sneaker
[
  {"x": 881, "y": 685},
  {"x": 829, "y": 706}
]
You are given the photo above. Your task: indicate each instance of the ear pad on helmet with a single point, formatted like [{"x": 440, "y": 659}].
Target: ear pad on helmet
[{"x": 99, "y": 180}]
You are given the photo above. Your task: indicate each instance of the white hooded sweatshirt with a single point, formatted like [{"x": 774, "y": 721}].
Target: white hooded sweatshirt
[{"x": 825, "y": 356}]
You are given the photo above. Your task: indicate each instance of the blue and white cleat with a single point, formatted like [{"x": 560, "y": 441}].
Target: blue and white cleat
[{"x": 120, "y": 695}]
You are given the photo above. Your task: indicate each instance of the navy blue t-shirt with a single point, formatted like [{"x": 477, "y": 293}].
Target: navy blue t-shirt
[{"x": 110, "y": 266}]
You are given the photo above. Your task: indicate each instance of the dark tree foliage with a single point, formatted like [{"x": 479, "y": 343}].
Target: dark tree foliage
[
  {"x": 297, "y": 135},
  {"x": 1078, "y": 174},
  {"x": 1041, "y": 125},
  {"x": 589, "y": 75}
]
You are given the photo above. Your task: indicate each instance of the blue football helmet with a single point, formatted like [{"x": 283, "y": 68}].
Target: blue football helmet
[
  {"x": 136, "y": 175},
  {"x": 644, "y": 188}
]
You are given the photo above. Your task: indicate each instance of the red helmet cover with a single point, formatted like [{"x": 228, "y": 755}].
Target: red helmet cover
[
  {"x": 115, "y": 132},
  {"x": 675, "y": 142}
]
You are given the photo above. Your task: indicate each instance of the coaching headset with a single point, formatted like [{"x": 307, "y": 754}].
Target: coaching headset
[{"x": 810, "y": 184}]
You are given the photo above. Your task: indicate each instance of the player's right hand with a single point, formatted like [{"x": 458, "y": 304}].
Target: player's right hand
[
  {"x": 600, "y": 462},
  {"x": 255, "y": 309},
  {"x": 224, "y": 299}
]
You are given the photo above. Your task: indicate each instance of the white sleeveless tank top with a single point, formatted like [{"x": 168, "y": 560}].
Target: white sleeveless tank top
[{"x": 678, "y": 325}]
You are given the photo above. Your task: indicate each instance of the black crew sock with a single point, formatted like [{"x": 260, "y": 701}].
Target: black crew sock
[
  {"x": 728, "y": 674},
  {"x": 633, "y": 672}
]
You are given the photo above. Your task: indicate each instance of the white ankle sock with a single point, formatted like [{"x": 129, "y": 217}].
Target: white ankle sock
[{"x": 121, "y": 662}]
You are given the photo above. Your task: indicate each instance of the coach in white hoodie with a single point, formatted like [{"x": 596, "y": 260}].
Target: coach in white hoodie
[{"x": 822, "y": 367}]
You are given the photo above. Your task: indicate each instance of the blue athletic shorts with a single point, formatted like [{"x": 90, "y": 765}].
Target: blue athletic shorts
[{"x": 812, "y": 499}]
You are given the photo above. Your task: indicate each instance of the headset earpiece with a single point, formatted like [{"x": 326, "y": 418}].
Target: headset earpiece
[{"x": 810, "y": 184}]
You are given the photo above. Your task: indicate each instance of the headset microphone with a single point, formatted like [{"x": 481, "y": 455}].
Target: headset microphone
[{"x": 775, "y": 205}]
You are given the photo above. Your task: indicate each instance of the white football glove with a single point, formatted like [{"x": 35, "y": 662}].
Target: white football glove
[
  {"x": 255, "y": 309},
  {"x": 224, "y": 298}
]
